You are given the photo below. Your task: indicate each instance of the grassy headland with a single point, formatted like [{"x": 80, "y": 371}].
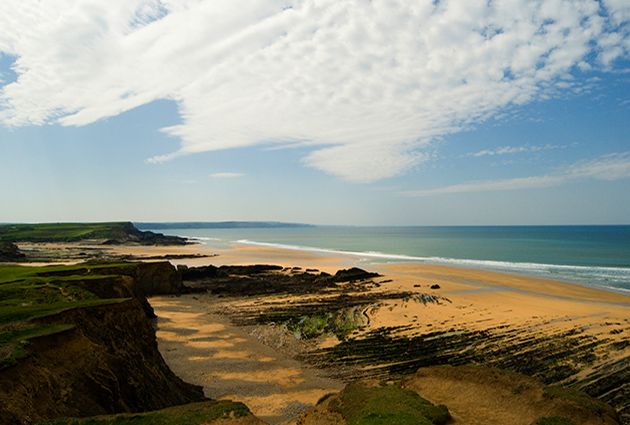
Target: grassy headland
[
  {"x": 108, "y": 233},
  {"x": 30, "y": 293},
  {"x": 84, "y": 331}
]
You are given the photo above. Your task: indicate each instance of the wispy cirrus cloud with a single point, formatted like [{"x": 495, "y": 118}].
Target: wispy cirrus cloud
[
  {"x": 511, "y": 150},
  {"x": 226, "y": 175},
  {"x": 608, "y": 167},
  {"x": 366, "y": 85}
]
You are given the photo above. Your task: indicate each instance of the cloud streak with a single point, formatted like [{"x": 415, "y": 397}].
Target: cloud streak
[
  {"x": 225, "y": 175},
  {"x": 510, "y": 150},
  {"x": 607, "y": 168},
  {"x": 366, "y": 85}
]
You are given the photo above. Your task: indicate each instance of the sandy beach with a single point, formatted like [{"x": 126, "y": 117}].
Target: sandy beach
[
  {"x": 230, "y": 362},
  {"x": 558, "y": 332}
]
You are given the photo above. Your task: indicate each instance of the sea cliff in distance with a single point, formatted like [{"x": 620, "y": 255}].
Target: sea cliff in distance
[{"x": 105, "y": 233}]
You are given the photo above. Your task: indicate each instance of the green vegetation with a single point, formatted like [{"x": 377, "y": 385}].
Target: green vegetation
[
  {"x": 189, "y": 414},
  {"x": 12, "y": 342},
  {"x": 29, "y": 293},
  {"x": 117, "y": 232},
  {"x": 340, "y": 323},
  {"x": 62, "y": 232},
  {"x": 579, "y": 398},
  {"x": 363, "y": 405},
  {"x": 554, "y": 420}
]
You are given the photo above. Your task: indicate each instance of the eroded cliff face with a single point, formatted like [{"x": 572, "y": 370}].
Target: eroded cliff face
[
  {"x": 159, "y": 278},
  {"x": 106, "y": 361}
]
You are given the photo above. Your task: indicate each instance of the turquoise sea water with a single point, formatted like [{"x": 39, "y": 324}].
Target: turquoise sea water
[{"x": 591, "y": 255}]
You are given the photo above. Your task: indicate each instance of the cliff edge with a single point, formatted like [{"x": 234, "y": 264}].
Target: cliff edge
[{"x": 79, "y": 341}]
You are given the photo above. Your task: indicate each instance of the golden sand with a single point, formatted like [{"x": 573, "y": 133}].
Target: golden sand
[{"x": 201, "y": 345}]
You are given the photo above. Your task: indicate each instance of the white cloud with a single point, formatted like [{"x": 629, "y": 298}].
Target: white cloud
[
  {"x": 366, "y": 84},
  {"x": 609, "y": 167},
  {"x": 225, "y": 175},
  {"x": 509, "y": 150}
]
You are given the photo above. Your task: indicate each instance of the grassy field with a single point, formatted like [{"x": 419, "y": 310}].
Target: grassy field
[
  {"x": 391, "y": 404},
  {"x": 28, "y": 293}
]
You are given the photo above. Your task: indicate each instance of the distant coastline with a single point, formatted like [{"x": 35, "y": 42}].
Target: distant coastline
[{"x": 219, "y": 225}]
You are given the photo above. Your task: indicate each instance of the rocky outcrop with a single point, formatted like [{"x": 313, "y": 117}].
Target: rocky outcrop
[
  {"x": 159, "y": 278},
  {"x": 372, "y": 403},
  {"x": 476, "y": 394},
  {"x": 269, "y": 279},
  {"x": 353, "y": 274},
  {"x": 10, "y": 252},
  {"x": 211, "y": 272},
  {"x": 128, "y": 233}
]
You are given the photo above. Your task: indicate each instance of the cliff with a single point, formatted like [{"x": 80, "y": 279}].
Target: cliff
[{"x": 79, "y": 341}]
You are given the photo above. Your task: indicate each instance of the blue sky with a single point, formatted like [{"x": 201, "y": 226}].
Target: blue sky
[{"x": 544, "y": 143}]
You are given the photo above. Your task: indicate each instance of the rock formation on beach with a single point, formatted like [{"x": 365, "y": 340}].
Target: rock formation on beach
[{"x": 10, "y": 252}]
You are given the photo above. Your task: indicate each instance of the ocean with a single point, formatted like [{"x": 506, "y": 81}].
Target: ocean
[{"x": 589, "y": 255}]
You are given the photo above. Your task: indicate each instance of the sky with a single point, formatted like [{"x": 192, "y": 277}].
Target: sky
[{"x": 382, "y": 112}]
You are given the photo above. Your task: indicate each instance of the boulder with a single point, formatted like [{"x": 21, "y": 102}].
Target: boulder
[{"x": 10, "y": 252}]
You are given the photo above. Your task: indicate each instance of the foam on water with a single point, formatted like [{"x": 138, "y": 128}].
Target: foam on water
[
  {"x": 619, "y": 277},
  {"x": 199, "y": 238}
]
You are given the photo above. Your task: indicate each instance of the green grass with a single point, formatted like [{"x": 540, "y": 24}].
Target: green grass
[
  {"x": 363, "y": 405},
  {"x": 63, "y": 232},
  {"x": 579, "y": 398},
  {"x": 340, "y": 324},
  {"x": 307, "y": 327},
  {"x": 189, "y": 414},
  {"x": 9, "y": 273},
  {"x": 30, "y": 293}
]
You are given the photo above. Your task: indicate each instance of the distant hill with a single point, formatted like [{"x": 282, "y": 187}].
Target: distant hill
[
  {"x": 219, "y": 225},
  {"x": 108, "y": 233}
]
